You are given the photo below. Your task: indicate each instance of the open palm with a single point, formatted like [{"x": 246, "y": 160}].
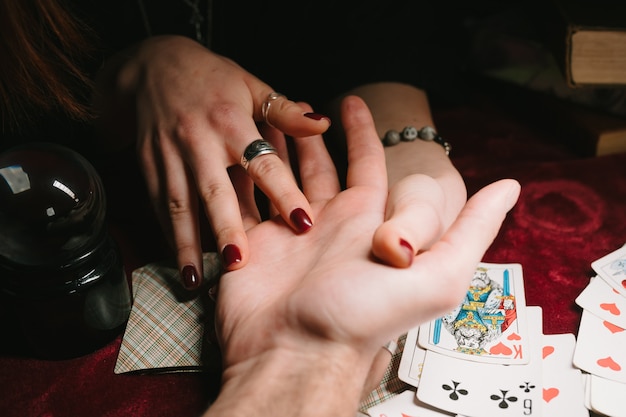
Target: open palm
[{"x": 325, "y": 286}]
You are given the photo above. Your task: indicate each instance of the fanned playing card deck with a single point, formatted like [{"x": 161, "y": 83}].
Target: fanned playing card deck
[
  {"x": 600, "y": 349},
  {"x": 489, "y": 358}
]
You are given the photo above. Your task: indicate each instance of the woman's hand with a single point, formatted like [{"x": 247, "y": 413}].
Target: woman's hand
[
  {"x": 193, "y": 113},
  {"x": 319, "y": 305}
]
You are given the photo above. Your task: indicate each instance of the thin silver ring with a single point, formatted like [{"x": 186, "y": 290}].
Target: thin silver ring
[
  {"x": 256, "y": 148},
  {"x": 265, "y": 108}
]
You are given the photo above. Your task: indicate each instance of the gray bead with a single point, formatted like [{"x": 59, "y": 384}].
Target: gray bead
[
  {"x": 391, "y": 138},
  {"x": 427, "y": 133},
  {"x": 409, "y": 134}
]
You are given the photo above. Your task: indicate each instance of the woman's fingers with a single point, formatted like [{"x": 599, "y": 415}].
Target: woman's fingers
[
  {"x": 210, "y": 161},
  {"x": 276, "y": 181},
  {"x": 171, "y": 186},
  {"x": 285, "y": 115},
  {"x": 317, "y": 170}
]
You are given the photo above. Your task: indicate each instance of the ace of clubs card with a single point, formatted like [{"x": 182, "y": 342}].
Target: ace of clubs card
[{"x": 489, "y": 325}]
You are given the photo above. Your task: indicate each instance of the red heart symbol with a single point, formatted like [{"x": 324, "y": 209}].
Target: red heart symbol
[
  {"x": 500, "y": 349},
  {"x": 514, "y": 336},
  {"x": 608, "y": 362},
  {"x": 624, "y": 283},
  {"x": 550, "y": 394},
  {"x": 611, "y": 308},
  {"x": 547, "y": 351},
  {"x": 612, "y": 328}
]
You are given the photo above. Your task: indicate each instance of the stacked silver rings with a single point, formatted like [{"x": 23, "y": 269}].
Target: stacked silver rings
[{"x": 260, "y": 147}]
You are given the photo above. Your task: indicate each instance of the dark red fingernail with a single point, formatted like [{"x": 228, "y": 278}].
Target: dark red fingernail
[
  {"x": 231, "y": 255},
  {"x": 191, "y": 279},
  {"x": 408, "y": 249},
  {"x": 301, "y": 220},
  {"x": 317, "y": 116}
]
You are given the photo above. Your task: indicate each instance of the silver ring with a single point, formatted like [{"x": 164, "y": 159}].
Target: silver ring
[
  {"x": 256, "y": 148},
  {"x": 265, "y": 108}
]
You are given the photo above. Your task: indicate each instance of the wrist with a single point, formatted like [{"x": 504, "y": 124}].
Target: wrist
[{"x": 324, "y": 381}]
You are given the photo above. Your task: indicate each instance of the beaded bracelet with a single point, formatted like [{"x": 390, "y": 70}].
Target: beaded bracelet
[{"x": 409, "y": 134}]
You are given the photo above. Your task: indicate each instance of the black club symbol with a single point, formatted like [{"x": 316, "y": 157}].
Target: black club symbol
[
  {"x": 454, "y": 395},
  {"x": 504, "y": 400},
  {"x": 527, "y": 386}
]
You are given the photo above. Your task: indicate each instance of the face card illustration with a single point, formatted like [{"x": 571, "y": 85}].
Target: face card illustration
[
  {"x": 604, "y": 301},
  {"x": 489, "y": 325},
  {"x": 410, "y": 368},
  {"x": 405, "y": 404},
  {"x": 563, "y": 388},
  {"x": 600, "y": 348},
  {"x": 607, "y": 397},
  {"x": 478, "y": 389},
  {"x": 612, "y": 268}
]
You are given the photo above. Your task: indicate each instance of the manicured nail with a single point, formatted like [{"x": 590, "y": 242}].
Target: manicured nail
[
  {"x": 317, "y": 116},
  {"x": 301, "y": 220},
  {"x": 408, "y": 249},
  {"x": 231, "y": 255},
  {"x": 191, "y": 279}
]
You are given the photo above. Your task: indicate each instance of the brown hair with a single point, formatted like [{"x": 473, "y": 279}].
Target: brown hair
[{"x": 42, "y": 49}]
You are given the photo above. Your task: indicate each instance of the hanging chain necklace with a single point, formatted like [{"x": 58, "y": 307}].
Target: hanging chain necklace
[{"x": 196, "y": 20}]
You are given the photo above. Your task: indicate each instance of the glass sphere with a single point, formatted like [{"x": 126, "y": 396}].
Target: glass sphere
[
  {"x": 52, "y": 206},
  {"x": 63, "y": 288}
]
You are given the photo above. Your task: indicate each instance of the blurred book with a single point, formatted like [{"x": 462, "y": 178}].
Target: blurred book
[
  {"x": 589, "y": 40},
  {"x": 509, "y": 53},
  {"x": 587, "y": 131}
]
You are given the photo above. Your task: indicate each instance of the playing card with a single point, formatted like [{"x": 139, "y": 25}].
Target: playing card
[
  {"x": 489, "y": 325},
  {"x": 607, "y": 397},
  {"x": 587, "y": 385},
  {"x": 405, "y": 404},
  {"x": 612, "y": 268},
  {"x": 604, "y": 301},
  {"x": 410, "y": 368},
  {"x": 563, "y": 388},
  {"x": 478, "y": 389},
  {"x": 600, "y": 348}
]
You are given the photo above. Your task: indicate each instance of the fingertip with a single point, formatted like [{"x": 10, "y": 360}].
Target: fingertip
[
  {"x": 299, "y": 120},
  {"x": 392, "y": 251},
  {"x": 232, "y": 258},
  {"x": 191, "y": 278},
  {"x": 513, "y": 194},
  {"x": 503, "y": 193},
  {"x": 318, "y": 117},
  {"x": 300, "y": 220},
  {"x": 408, "y": 250}
]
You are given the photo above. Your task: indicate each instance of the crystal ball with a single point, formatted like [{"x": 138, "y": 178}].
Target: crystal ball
[{"x": 52, "y": 206}]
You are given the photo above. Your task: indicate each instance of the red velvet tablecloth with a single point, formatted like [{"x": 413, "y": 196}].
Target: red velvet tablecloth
[{"x": 572, "y": 211}]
